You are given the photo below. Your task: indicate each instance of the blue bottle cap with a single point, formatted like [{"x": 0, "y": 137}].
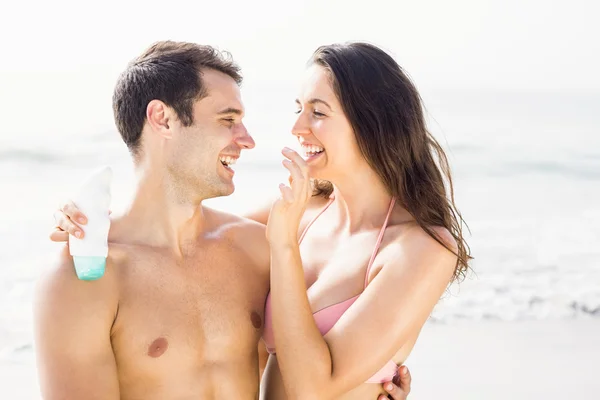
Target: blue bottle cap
[{"x": 89, "y": 268}]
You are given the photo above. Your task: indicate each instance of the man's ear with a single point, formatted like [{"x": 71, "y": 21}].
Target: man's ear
[{"x": 160, "y": 117}]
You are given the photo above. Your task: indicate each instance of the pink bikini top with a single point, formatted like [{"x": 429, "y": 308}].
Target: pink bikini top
[{"x": 328, "y": 316}]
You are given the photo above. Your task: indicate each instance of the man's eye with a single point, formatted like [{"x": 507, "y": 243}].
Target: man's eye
[
  {"x": 318, "y": 114},
  {"x": 298, "y": 111}
]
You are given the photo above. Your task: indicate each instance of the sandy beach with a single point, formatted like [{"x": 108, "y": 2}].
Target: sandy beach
[
  {"x": 543, "y": 360},
  {"x": 530, "y": 360}
]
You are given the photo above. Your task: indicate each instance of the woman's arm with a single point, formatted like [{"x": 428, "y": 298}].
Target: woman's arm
[
  {"x": 408, "y": 285},
  {"x": 259, "y": 214}
]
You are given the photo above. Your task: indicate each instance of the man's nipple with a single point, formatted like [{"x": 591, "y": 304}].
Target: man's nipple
[
  {"x": 256, "y": 320},
  {"x": 158, "y": 347}
]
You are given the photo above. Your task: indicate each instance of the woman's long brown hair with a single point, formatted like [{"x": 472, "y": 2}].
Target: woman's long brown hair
[{"x": 385, "y": 111}]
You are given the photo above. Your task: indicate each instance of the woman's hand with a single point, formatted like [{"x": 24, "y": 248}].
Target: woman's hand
[
  {"x": 67, "y": 218},
  {"x": 284, "y": 219}
]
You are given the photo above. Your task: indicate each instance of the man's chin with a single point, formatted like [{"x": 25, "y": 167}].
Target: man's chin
[
  {"x": 226, "y": 189},
  {"x": 230, "y": 191},
  {"x": 222, "y": 190}
]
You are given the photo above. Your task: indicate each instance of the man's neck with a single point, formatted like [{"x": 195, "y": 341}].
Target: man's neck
[{"x": 162, "y": 214}]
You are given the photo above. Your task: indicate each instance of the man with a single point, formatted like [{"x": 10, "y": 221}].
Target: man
[{"x": 179, "y": 311}]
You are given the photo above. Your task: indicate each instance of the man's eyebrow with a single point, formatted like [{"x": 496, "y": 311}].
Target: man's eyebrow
[
  {"x": 230, "y": 110},
  {"x": 314, "y": 101}
]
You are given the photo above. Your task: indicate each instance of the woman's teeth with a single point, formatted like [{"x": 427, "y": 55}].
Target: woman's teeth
[{"x": 311, "y": 150}]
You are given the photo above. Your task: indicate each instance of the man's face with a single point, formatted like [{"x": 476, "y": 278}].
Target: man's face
[{"x": 202, "y": 154}]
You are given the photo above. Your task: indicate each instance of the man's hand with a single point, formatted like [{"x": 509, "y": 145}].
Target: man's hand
[{"x": 400, "y": 387}]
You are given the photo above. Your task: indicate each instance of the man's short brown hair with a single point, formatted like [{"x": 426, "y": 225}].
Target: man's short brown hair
[{"x": 170, "y": 72}]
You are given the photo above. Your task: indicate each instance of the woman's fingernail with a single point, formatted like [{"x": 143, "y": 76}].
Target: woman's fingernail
[
  {"x": 389, "y": 387},
  {"x": 287, "y": 149},
  {"x": 82, "y": 220},
  {"x": 78, "y": 234}
]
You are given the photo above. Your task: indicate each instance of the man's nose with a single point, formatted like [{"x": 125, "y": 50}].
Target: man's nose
[{"x": 244, "y": 139}]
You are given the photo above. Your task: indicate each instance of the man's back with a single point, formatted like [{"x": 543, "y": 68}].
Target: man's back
[{"x": 182, "y": 327}]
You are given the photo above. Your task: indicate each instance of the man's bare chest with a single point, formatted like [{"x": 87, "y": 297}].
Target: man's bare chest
[{"x": 209, "y": 309}]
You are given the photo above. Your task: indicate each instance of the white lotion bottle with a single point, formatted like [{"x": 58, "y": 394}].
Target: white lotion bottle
[{"x": 93, "y": 199}]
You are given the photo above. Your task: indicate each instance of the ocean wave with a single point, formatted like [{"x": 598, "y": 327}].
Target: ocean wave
[
  {"x": 76, "y": 153},
  {"x": 33, "y": 156},
  {"x": 582, "y": 170}
]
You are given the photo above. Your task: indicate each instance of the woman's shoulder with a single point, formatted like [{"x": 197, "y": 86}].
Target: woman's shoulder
[
  {"x": 413, "y": 246},
  {"x": 430, "y": 238}
]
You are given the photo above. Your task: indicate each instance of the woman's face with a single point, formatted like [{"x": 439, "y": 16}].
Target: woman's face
[{"x": 327, "y": 139}]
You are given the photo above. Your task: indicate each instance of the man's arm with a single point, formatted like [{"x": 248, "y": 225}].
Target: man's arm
[
  {"x": 73, "y": 321},
  {"x": 399, "y": 388}
]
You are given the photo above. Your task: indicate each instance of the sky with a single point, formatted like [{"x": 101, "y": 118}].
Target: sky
[{"x": 60, "y": 59}]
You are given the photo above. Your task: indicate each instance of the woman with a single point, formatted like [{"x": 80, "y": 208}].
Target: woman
[
  {"x": 359, "y": 260},
  {"x": 382, "y": 236}
]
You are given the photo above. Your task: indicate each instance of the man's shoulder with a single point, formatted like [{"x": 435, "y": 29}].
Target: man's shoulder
[
  {"x": 235, "y": 223},
  {"x": 58, "y": 283},
  {"x": 246, "y": 235}
]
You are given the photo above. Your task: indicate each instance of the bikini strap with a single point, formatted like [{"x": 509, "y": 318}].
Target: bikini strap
[
  {"x": 315, "y": 218},
  {"x": 381, "y": 232}
]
